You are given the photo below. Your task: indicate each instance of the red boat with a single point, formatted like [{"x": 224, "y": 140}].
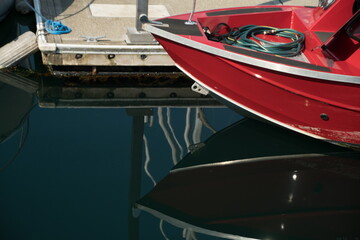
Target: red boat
[{"x": 314, "y": 91}]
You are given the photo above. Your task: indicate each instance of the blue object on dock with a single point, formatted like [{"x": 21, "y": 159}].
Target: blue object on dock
[
  {"x": 56, "y": 27},
  {"x": 52, "y": 27}
]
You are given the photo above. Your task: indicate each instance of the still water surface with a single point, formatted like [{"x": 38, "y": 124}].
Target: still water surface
[
  {"x": 71, "y": 179},
  {"x": 66, "y": 173},
  {"x": 76, "y": 173}
]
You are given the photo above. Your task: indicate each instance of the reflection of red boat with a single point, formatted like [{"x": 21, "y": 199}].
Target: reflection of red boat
[
  {"x": 259, "y": 181},
  {"x": 316, "y": 93}
]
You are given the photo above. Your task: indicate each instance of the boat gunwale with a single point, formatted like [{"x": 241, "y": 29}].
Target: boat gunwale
[
  {"x": 182, "y": 224},
  {"x": 245, "y": 59},
  {"x": 259, "y": 159}
]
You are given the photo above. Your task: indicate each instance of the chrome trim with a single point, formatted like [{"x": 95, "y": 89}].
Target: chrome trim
[
  {"x": 181, "y": 224},
  {"x": 253, "y": 61},
  {"x": 325, "y": 4},
  {"x": 196, "y": 87},
  {"x": 247, "y": 160},
  {"x": 145, "y": 19},
  {"x": 190, "y": 21}
]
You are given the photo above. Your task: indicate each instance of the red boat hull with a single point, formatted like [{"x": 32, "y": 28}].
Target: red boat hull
[
  {"x": 298, "y": 103},
  {"x": 318, "y": 95}
]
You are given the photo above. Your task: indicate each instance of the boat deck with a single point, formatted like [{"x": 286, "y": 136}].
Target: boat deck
[{"x": 104, "y": 32}]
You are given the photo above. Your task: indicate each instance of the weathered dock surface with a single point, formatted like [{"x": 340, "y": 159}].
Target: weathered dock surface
[
  {"x": 105, "y": 33},
  {"x": 21, "y": 47}
]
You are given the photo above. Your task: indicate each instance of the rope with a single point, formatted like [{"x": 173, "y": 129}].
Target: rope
[
  {"x": 247, "y": 37},
  {"x": 52, "y": 27}
]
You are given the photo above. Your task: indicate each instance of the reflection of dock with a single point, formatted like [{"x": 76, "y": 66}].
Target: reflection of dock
[
  {"x": 129, "y": 90},
  {"x": 105, "y": 32}
]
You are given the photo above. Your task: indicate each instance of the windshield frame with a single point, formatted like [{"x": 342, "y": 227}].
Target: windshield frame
[{"x": 354, "y": 27}]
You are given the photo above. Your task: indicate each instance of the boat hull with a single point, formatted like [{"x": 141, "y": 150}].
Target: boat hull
[
  {"x": 315, "y": 93},
  {"x": 297, "y": 103}
]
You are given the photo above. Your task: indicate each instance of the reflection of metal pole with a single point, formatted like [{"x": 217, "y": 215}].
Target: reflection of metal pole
[
  {"x": 141, "y": 8},
  {"x": 136, "y": 167},
  {"x": 135, "y": 178}
]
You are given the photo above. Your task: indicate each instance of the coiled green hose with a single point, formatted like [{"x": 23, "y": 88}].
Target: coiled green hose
[{"x": 246, "y": 37}]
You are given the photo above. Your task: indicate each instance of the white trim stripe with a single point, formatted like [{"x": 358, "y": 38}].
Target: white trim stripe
[{"x": 325, "y": 76}]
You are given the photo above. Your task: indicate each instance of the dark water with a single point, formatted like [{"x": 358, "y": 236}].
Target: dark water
[
  {"x": 71, "y": 179},
  {"x": 66, "y": 173},
  {"x": 75, "y": 173}
]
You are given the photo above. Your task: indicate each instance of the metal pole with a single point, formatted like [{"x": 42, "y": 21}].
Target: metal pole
[
  {"x": 142, "y": 7},
  {"x": 190, "y": 21}
]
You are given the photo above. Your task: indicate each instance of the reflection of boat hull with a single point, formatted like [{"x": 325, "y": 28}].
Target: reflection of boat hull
[
  {"x": 5, "y": 8},
  {"x": 260, "y": 199},
  {"x": 308, "y": 191},
  {"x": 308, "y": 96}
]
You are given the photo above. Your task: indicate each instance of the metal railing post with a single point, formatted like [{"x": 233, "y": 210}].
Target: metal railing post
[
  {"x": 190, "y": 21},
  {"x": 142, "y": 7}
]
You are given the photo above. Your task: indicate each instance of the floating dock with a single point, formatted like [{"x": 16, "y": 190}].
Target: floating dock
[
  {"x": 109, "y": 61},
  {"x": 106, "y": 34}
]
